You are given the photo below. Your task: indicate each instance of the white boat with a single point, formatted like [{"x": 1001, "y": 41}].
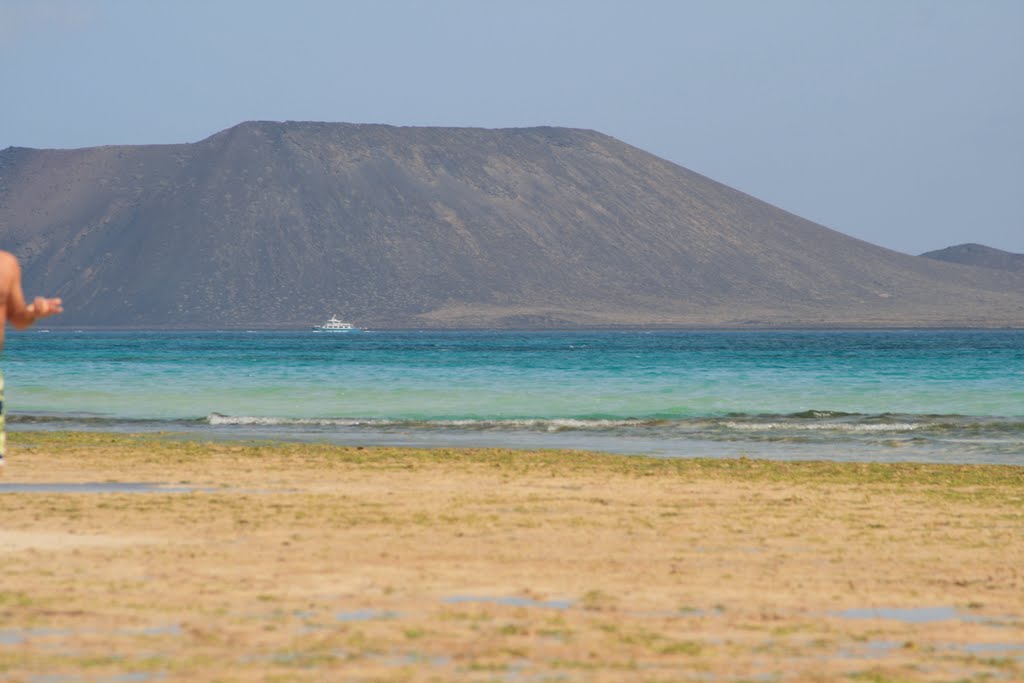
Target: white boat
[{"x": 336, "y": 325}]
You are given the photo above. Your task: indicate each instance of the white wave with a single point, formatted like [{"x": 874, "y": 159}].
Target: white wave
[
  {"x": 549, "y": 425},
  {"x": 218, "y": 419},
  {"x": 823, "y": 426},
  {"x": 545, "y": 424},
  {"x": 557, "y": 424}
]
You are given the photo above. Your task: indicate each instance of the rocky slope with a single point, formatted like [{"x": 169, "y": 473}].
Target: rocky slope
[{"x": 282, "y": 224}]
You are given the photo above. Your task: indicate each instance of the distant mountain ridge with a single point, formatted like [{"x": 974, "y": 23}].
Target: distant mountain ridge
[
  {"x": 972, "y": 254},
  {"x": 282, "y": 224}
]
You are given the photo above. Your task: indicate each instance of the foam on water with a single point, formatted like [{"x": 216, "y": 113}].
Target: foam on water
[
  {"x": 823, "y": 426},
  {"x": 550, "y": 425}
]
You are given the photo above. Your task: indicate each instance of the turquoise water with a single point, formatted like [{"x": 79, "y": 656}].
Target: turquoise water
[{"x": 947, "y": 396}]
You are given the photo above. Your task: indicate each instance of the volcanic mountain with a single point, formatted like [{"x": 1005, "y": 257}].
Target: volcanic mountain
[{"x": 282, "y": 224}]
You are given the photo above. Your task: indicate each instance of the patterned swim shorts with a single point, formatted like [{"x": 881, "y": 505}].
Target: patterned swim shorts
[{"x": 3, "y": 430}]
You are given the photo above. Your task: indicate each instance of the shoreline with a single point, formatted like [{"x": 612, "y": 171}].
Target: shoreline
[
  {"x": 249, "y": 561},
  {"x": 879, "y": 439}
]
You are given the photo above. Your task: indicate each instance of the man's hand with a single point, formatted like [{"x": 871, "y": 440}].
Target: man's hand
[{"x": 42, "y": 307}]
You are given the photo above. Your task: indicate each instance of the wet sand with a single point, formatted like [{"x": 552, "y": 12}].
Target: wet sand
[{"x": 173, "y": 560}]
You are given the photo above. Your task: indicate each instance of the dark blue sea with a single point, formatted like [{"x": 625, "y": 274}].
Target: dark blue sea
[{"x": 937, "y": 396}]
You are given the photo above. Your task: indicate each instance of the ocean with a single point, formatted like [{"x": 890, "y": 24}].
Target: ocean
[{"x": 953, "y": 396}]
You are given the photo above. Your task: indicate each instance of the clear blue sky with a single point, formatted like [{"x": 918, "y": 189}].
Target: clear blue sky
[{"x": 900, "y": 122}]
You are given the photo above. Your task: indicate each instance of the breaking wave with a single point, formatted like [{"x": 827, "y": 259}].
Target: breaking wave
[
  {"x": 826, "y": 426},
  {"x": 809, "y": 424},
  {"x": 818, "y": 421},
  {"x": 533, "y": 424}
]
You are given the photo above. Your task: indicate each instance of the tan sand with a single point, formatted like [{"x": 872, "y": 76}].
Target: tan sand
[{"x": 314, "y": 563}]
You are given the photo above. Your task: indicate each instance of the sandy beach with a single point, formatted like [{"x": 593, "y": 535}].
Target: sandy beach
[{"x": 160, "y": 558}]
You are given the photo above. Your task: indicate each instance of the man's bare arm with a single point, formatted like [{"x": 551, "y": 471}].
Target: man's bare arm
[{"x": 20, "y": 314}]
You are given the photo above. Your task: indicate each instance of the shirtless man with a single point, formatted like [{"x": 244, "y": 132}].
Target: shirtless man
[{"x": 14, "y": 309}]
